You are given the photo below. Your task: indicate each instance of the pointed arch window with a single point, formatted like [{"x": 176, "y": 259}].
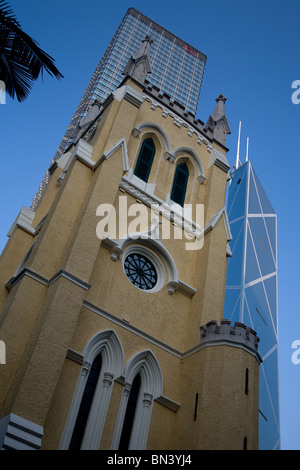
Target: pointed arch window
[
  {"x": 102, "y": 362},
  {"x": 85, "y": 405},
  {"x": 145, "y": 160},
  {"x": 143, "y": 384},
  {"x": 180, "y": 184},
  {"x": 130, "y": 413}
]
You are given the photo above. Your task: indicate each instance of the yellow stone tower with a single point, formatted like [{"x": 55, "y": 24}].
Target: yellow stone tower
[{"x": 112, "y": 290}]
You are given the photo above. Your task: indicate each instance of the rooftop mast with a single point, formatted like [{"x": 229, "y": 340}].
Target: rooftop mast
[
  {"x": 247, "y": 149},
  {"x": 238, "y": 149}
]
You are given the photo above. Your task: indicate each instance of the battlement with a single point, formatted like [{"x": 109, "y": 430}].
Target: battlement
[
  {"x": 177, "y": 107},
  {"x": 237, "y": 335},
  {"x": 209, "y": 131}
]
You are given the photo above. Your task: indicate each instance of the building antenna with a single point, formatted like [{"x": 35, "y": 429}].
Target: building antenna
[
  {"x": 247, "y": 152},
  {"x": 238, "y": 148}
]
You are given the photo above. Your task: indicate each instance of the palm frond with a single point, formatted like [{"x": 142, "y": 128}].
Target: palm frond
[
  {"x": 22, "y": 61},
  {"x": 7, "y": 13}
]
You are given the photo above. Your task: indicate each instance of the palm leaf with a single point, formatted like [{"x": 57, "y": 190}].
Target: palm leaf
[{"x": 21, "y": 59}]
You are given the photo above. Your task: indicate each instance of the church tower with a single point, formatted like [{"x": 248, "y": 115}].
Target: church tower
[{"x": 112, "y": 289}]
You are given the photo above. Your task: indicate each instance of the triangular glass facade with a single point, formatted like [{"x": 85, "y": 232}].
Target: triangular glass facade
[{"x": 251, "y": 286}]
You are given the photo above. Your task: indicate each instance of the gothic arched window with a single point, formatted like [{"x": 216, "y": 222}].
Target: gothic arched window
[
  {"x": 102, "y": 363},
  {"x": 85, "y": 405},
  {"x": 130, "y": 413},
  {"x": 180, "y": 184},
  {"x": 143, "y": 384},
  {"x": 145, "y": 160}
]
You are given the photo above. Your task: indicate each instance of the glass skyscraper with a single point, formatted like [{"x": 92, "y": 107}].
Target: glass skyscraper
[
  {"x": 251, "y": 286},
  {"x": 176, "y": 67}
]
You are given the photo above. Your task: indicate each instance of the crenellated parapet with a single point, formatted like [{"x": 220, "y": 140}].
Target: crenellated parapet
[{"x": 237, "y": 335}]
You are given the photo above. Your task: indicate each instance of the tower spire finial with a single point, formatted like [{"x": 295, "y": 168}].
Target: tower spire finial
[
  {"x": 138, "y": 65},
  {"x": 219, "y": 110},
  {"x": 217, "y": 123}
]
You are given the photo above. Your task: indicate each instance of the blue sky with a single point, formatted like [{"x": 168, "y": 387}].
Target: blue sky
[{"x": 252, "y": 57}]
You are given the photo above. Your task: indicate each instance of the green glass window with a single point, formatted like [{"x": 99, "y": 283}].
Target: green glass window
[
  {"x": 180, "y": 184},
  {"x": 145, "y": 160}
]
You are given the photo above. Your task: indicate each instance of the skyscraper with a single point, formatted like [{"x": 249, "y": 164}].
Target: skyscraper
[
  {"x": 176, "y": 67},
  {"x": 251, "y": 290}
]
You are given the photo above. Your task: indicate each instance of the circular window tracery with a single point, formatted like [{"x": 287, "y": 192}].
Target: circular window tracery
[
  {"x": 143, "y": 269},
  {"x": 140, "y": 271}
]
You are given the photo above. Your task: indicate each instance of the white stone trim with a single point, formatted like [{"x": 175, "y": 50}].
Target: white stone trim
[
  {"x": 84, "y": 150},
  {"x": 43, "y": 280},
  {"x": 64, "y": 161},
  {"x": 142, "y": 185},
  {"x": 83, "y": 153},
  {"x": 157, "y": 128},
  {"x": 179, "y": 121},
  {"x": 17, "y": 433},
  {"x": 228, "y": 251},
  {"x": 151, "y": 339},
  {"x": 216, "y": 217},
  {"x": 169, "y": 156},
  {"x": 133, "y": 329},
  {"x": 167, "y": 402},
  {"x": 130, "y": 94},
  {"x": 121, "y": 143},
  {"x": 165, "y": 208},
  {"x": 138, "y": 189},
  {"x": 26, "y": 272},
  {"x": 182, "y": 287},
  {"x": 71, "y": 277},
  {"x": 224, "y": 342},
  {"x": 23, "y": 221},
  {"x": 145, "y": 364},
  {"x": 136, "y": 132},
  {"x": 219, "y": 159},
  {"x": 157, "y": 264},
  {"x": 108, "y": 344},
  {"x": 186, "y": 151},
  {"x": 117, "y": 249}
]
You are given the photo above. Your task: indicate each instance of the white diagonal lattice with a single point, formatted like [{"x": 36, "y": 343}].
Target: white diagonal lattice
[{"x": 251, "y": 291}]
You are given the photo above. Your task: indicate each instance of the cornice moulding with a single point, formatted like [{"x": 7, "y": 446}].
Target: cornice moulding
[
  {"x": 129, "y": 94},
  {"x": 45, "y": 281},
  {"x": 17, "y": 433},
  {"x": 23, "y": 221},
  {"x": 83, "y": 153},
  {"x": 211, "y": 334},
  {"x": 219, "y": 159}
]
